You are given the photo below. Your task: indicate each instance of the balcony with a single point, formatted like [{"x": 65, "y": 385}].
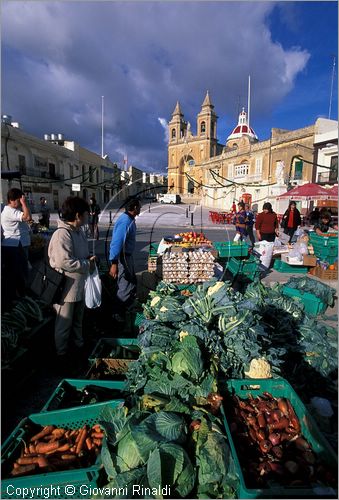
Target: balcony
[
  {"x": 327, "y": 178},
  {"x": 254, "y": 178}
]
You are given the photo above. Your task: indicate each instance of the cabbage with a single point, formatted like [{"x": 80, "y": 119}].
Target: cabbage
[{"x": 188, "y": 359}]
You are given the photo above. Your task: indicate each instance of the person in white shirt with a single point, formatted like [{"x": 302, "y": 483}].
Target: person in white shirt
[{"x": 16, "y": 237}]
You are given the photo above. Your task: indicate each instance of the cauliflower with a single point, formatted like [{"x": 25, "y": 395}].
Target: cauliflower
[
  {"x": 155, "y": 301},
  {"x": 215, "y": 288},
  {"x": 163, "y": 309},
  {"x": 259, "y": 368},
  {"x": 182, "y": 335}
]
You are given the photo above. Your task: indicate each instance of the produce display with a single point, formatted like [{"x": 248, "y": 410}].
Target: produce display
[
  {"x": 320, "y": 290},
  {"x": 187, "y": 267},
  {"x": 192, "y": 238},
  {"x": 271, "y": 448},
  {"x": 52, "y": 449}
]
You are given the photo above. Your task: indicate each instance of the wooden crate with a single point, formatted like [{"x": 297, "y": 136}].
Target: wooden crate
[{"x": 325, "y": 274}]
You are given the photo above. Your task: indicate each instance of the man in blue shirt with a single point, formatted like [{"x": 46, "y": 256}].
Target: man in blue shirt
[{"x": 121, "y": 258}]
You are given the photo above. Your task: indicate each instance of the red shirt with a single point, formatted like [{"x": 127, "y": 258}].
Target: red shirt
[
  {"x": 266, "y": 223},
  {"x": 290, "y": 222}
]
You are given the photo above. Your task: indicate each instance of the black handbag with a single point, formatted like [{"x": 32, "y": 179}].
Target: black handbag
[{"x": 48, "y": 284}]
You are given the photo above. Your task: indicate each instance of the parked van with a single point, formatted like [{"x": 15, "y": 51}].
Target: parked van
[{"x": 169, "y": 198}]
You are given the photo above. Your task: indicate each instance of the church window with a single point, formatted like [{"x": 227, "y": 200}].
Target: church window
[
  {"x": 258, "y": 166},
  {"x": 173, "y": 133},
  {"x": 203, "y": 127},
  {"x": 241, "y": 170}
]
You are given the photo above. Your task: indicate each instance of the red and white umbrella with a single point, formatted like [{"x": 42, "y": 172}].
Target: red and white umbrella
[
  {"x": 333, "y": 193},
  {"x": 308, "y": 191}
]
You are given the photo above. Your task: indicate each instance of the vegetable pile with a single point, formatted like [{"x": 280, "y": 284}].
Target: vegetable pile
[
  {"x": 305, "y": 284},
  {"x": 170, "y": 430},
  {"x": 267, "y": 437},
  {"x": 53, "y": 449},
  {"x": 24, "y": 316}
]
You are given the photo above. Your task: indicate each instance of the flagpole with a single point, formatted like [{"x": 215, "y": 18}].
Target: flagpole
[
  {"x": 249, "y": 102},
  {"x": 102, "y": 126},
  {"x": 331, "y": 95}
]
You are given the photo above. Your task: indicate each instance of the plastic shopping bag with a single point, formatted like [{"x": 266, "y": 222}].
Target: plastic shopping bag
[
  {"x": 93, "y": 290},
  {"x": 265, "y": 250}
]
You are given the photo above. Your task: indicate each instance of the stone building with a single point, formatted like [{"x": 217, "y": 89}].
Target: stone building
[{"x": 245, "y": 168}]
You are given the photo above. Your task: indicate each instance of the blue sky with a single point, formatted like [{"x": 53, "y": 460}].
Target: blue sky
[{"x": 59, "y": 58}]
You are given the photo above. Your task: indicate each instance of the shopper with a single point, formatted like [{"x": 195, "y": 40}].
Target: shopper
[
  {"x": 291, "y": 220},
  {"x": 16, "y": 238},
  {"x": 240, "y": 221},
  {"x": 121, "y": 257},
  {"x": 249, "y": 223},
  {"x": 314, "y": 216},
  {"x": 266, "y": 224},
  {"x": 68, "y": 253},
  {"x": 324, "y": 224},
  {"x": 94, "y": 211},
  {"x": 234, "y": 207},
  {"x": 44, "y": 212}
]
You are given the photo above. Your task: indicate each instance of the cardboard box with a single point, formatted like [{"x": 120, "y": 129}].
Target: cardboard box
[{"x": 310, "y": 260}]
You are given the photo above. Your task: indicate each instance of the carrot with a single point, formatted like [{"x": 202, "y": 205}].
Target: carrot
[
  {"x": 97, "y": 428},
  {"x": 82, "y": 440},
  {"x": 97, "y": 441},
  {"x": 42, "y": 462},
  {"x": 98, "y": 435},
  {"x": 15, "y": 465},
  {"x": 26, "y": 460},
  {"x": 72, "y": 449},
  {"x": 32, "y": 448},
  {"x": 89, "y": 443},
  {"x": 64, "y": 447},
  {"x": 68, "y": 456},
  {"x": 47, "y": 447},
  {"x": 67, "y": 434},
  {"x": 58, "y": 433},
  {"x": 23, "y": 469},
  {"x": 45, "y": 431},
  {"x": 78, "y": 436},
  {"x": 73, "y": 432}
]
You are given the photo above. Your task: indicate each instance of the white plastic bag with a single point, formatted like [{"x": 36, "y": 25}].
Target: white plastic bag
[
  {"x": 237, "y": 237},
  {"x": 265, "y": 249},
  {"x": 93, "y": 290}
]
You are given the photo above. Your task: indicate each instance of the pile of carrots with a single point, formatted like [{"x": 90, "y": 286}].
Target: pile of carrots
[{"x": 54, "y": 448}]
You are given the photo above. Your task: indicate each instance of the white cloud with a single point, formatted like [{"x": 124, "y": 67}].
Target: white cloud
[
  {"x": 142, "y": 57},
  {"x": 164, "y": 124}
]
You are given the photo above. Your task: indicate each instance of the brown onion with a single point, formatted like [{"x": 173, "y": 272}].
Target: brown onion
[
  {"x": 274, "y": 437},
  {"x": 309, "y": 457},
  {"x": 282, "y": 405},
  {"x": 302, "y": 444},
  {"x": 277, "y": 451},
  {"x": 265, "y": 445},
  {"x": 277, "y": 468}
]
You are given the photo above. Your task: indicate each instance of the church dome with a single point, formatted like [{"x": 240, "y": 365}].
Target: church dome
[{"x": 242, "y": 128}]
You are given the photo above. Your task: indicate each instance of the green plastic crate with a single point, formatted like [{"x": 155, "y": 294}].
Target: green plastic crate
[
  {"x": 59, "y": 392},
  {"x": 228, "y": 249},
  {"x": 312, "y": 304},
  {"x": 153, "y": 249},
  {"x": 139, "y": 319},
  {"x": 278, "y": 388},
  {"x": 325, "y": 247},
  {"x": 77, "y": 480},
  {"x": 283, "y": 267},
  {"x": 190, "y": 288},
  {"x": 109, "y": 343},
  {"x": 248, "y": 267}
]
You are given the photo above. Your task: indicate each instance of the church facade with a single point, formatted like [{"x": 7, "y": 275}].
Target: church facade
[{"x": 244, "y": 168}]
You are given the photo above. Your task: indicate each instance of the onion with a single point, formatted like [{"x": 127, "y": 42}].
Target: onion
[
  {"x": 291, "y": 466},
  {"x": 276, "y": 415},
  {"x": 277, "y": 468},
  {"x": 274, "y": 437},
  {"x": 282, "y": 405},
  {"x": 277, "y": 451},
  {"x": 309, "y": 457},
  {"x": 302, "y": 444},
  {"x": 265, "y": 445}
]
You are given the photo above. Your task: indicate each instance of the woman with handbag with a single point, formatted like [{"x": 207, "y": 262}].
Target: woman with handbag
[
  {"x": 68, "y": 253},
  {"x": 291, "y": 219}
]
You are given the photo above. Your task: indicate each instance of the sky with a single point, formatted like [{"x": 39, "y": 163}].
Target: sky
[{"x": 60, "y": 58}]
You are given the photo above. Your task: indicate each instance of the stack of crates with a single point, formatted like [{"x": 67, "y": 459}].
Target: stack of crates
[
  {"x": 227, "y": 249},
  {"x": 248, "y": 268},
  {"x": 325, "y": 247}
]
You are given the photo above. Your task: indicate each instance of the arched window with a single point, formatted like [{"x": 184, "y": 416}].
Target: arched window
[
  {"x": 173, "y": 133},
  {"x": 203, "y": 127}
]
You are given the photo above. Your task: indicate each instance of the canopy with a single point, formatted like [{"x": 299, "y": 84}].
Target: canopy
[
  {"x": 308, "y": 191},
  {"x": 333, "y": 193}
]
